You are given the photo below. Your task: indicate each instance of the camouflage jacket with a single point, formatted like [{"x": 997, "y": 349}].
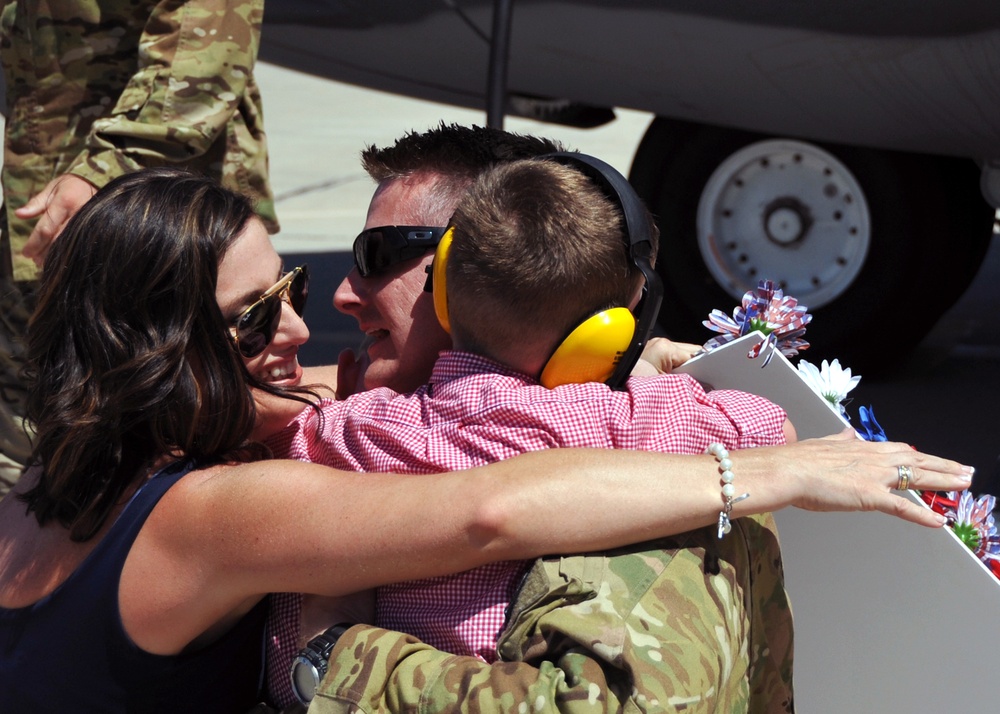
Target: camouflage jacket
[
  {"x": 98, "y": 88},
  {"x": 688, "y": 623}
]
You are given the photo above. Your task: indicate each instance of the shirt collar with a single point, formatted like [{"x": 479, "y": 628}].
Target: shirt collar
[{"x": 453, "y": 364}]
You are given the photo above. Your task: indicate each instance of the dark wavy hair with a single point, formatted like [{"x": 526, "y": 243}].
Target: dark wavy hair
[{"x": 129, "y": 356}]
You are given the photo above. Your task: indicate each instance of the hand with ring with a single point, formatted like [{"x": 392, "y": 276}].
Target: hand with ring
[
  {"x": 905, "y": 475},
  {"x": 844, "y": 473}
]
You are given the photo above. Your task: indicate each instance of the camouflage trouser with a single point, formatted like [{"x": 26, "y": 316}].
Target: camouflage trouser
[{"x": 16, "y": 303}]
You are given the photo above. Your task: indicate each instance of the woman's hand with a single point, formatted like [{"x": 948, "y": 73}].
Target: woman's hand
[{"x": 844, "y": 473}]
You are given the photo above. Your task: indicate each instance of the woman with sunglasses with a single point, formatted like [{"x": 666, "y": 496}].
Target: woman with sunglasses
[{"x": 137, "y": 551}]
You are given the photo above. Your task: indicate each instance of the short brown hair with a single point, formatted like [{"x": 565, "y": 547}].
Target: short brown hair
[
  {"x": 454, "y": 155},
  {"x": 537, "y": 249}
]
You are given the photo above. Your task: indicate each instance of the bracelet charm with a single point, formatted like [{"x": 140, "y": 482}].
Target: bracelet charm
[{"x": 726, "y": 476}]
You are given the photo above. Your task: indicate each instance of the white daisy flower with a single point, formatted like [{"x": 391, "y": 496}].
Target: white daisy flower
[{"x": 830, "y": 381}]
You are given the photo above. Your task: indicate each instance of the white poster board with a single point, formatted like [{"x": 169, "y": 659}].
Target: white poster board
[{"x": 889, "y": 616}]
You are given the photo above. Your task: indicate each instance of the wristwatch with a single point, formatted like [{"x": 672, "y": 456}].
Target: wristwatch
[{"x": 310, "y": 664}]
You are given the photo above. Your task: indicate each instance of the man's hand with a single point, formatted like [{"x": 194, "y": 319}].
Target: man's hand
[
  {"x": 661, "y": 356},
  {"x": 56, "y": 204},
  {"x": 351, "y": 370}
]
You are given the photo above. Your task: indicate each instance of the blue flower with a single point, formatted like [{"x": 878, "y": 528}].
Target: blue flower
[{"x": 872, "y": 430}]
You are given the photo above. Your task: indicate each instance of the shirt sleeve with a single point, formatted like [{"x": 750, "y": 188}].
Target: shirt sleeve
[
  {"x": 194, "y": 71},
  {"x": 303, "y": 439},
  {"x": 758, "y": 421},
  {"x": 672, "y": 413}
]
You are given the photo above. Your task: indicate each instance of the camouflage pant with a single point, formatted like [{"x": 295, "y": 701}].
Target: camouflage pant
[{"x": 17, "y": 300}]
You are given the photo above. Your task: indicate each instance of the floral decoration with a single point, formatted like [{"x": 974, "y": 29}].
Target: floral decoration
[
  {"x": 974, "y": 526},
  {"x": 872, "y": 430},
  {"x": 830, "y": 381},
  {"x": 769, "y": 311},
  {"x": 972, "y": 520},
  {"x": 782, "y": 321}
]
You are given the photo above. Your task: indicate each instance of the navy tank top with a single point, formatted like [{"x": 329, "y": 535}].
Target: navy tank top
[{"x": 69, "y": 651}]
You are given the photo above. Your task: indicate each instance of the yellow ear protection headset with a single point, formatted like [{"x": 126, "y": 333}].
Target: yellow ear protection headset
[
  {"x": 436, "y": 278},
  {"x": 605, "y": 346}
]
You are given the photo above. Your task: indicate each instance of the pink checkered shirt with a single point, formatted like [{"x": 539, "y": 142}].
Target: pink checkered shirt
[{"x": 475, "y": 411}]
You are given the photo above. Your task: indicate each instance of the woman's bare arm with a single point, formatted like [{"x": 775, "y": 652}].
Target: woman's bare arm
[
  {"x": 223, "y": 537},
  {"x": 323, "y": 531}
]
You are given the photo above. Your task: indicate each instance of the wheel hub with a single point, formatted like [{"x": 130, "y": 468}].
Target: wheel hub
[
  {"x": 786, "y": 221},
  {"x": 787, "y": 211}
]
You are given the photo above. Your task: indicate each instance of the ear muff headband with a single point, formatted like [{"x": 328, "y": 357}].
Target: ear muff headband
[
  {"x": 640, "y": 247},
  {"x": 439, "y": 269}
]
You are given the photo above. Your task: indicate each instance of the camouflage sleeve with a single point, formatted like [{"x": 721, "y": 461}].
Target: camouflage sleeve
[
  {"x": 194, "y": 74},
  {"x": 375, "y": 670},
  {"x": 688, "y": 624}
]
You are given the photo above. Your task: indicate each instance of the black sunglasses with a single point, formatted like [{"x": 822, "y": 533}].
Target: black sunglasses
[
  {"x": 257, "y": 325},
  {"x": 378, "y": 249}
]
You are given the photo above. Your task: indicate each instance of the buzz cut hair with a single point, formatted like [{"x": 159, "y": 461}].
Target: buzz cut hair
[{"x": 538, "y": 248}]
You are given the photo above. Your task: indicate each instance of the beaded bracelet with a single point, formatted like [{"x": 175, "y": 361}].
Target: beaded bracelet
[{"x": 721, "y": 455}]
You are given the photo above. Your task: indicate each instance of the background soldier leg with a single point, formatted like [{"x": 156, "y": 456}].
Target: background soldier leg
[{"x": 16, "y": 303}]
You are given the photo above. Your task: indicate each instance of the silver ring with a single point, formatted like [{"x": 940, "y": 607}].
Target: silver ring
[{"x": 905, "y": 475}]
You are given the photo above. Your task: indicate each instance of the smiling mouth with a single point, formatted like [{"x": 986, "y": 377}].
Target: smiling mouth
[{"x": 280, "y": 372}]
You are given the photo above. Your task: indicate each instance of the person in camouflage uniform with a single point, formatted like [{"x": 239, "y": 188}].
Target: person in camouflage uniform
[
  {"x": 688, "y": 623},
  {"x": 98, "y": 88}
]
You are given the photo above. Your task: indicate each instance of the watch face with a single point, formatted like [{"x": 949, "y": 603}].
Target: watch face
[{"x": 305, "y": 679}]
